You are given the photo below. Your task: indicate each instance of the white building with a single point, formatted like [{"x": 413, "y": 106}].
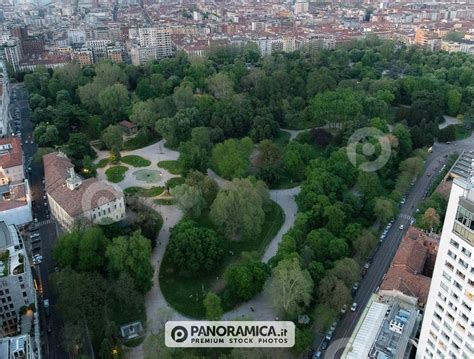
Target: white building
[
  {"x": 15, "y": 201},
  {"x": 17, "y": 291},
  {"x": 18, "y": 347},
  {"x": 155, "y": 37},
  {"x": 301, "y": 7},
  {"x": 4, "y": 100},
  {"x": 76, "y": 36},
  {"x": 448, "y": 324},
  {"x": 75, "y": 201},
  {"x": 13, "y": 53}
]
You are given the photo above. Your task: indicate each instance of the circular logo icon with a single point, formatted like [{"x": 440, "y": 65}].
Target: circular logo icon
[
  {"x": 366, "y": 137},
  {"x": 179, "y": 334}
]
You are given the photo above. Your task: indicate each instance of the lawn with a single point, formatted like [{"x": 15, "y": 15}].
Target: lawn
[
  {"x": 173, "y": 167},
  {"x": 135, "y": 161},
  {"x": 186, "y": 294},
  {"x": 102, "y": 163},
  {"x": 116, "y": 174},
  {"x": 175, "y": 181},
  {"x": 144, "y": 192}
]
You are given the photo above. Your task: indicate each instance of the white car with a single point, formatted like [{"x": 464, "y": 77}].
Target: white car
[
  {"x": 401, "y": 227},
  {"x": 354, "y": 307}
]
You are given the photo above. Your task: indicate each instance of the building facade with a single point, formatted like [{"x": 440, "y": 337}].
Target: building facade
[
  {"x": 79, "y": 202},
  {"x": 4, "y": 100},
  {"x": 448, "y": 324}
]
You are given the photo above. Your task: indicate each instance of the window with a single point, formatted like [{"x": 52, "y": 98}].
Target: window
[
  {"x": 457, "y": 285},
  {"x": 449, "y": 265},
  {"x": 463, "y": 263},
  {"x": 439, "y": 306},
  {"x": 446, "y": 276},
  {"x": 449, "y": 316},
  {"x": 466, "y": 252},
  {"x": 454, "y": 243},
  {"x": 470, "y": 282},
  {"x": 454, "y": 295},
  {"x": 443, "y": 286},
  {"x": 437, "y": 316},
  {"x": 442, "y": 297},
  {"x": 451, "y": 254},
  {"x": 460, "y": 274}
]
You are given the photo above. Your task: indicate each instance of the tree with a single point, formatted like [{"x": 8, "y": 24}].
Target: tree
[
  {"x": 113, "y": 101},
  {"x": 384, "y": 209},
  {"x": 221, "y": 85},
  {"x": 112, "y": 137},
  {"x": 447, "y": 134},
  {"x": 412, "y": 166},
  {"x": 290, "y": 287},
  {"x": 231, "y": 158},
  {"x": 246, "y": 278},
  {"x": 453, "y": 101},
  {"x": 212, "y": 303},
  {"x": 91, "y": 250},
  {"x": 334, "y": 292},
  {"x": 194, "y": 249},
  {"x": 78, "y": 147},
  {"x": 263, "y": 127},
  {"x": 183, "y": 97},
  {"x": 404, "y": 140},
  {"x": 132, "y": 256},
  {"x": 334, "y": 107},
  {"x": 145, "y": 114},
  {"x": 454, "y": 36},
  {"x": 430, "y": 219},
  {"x": 364, "y": 244},
  {"x": 46, "y": 135},
  {"x": 37, "y": 101},
  {"x": 321, "y": 137},
  {"x": 303, "y": 340},
  {"x": 238, "y": 210},
  {"x": 89, "y": 96},
  {"x": 189, "y": 199},
  {"x": 205, "y": 184},
  {"x": 347, "y": 270},
  {"x": 178, "y": 128},
  {"x": 335, "y": 217}
]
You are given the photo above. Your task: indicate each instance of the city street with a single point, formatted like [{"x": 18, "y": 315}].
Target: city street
[
  {"x": 385, "y": 253},
  {"x": 46, "y": 228}
]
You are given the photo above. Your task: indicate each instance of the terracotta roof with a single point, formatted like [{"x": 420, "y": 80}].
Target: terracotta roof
[
  {"x": 90, "y": 194},
  {"x": 405, "y": 272},
  {"x": 12, "y": 157},
  {"x": 127, "y": 124},
  {"x": 17, "y": 198}
]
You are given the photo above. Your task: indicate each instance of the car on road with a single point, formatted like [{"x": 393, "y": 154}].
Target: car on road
[
  {"x": 429, "y": 174},
  {"x": 34, "y": 235},
  {"x": 317, "y": 355},
  {"x": 354, "y": 307},
  {"x": 401, "y": 227},
  {"x": 329, "y": 335},
  {"x": 355, "y": 288},
  {"x": 333, "y": 326},
  {"x": 324, "y": 344},
  {"x": 35, "y": 219},
  {"x": 46, "y": 307},
  {"x": 344, "y": 309}
]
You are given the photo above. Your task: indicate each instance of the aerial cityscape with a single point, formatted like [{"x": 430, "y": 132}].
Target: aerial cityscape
[{"x": 236, "y": 179}]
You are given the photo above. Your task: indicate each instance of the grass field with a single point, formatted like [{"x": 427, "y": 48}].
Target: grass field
[
  {"x": 186, "y": 294},
  {"x": 116, "y": 174},
  {"x": 102, "y": 163},
  {"x": 144, "y": 192},
  {"x": 135, "y": 161},
  {"x": 173, "y": 167}
]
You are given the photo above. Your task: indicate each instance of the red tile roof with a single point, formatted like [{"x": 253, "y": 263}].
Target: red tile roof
[
  {"x": 90, "y": 194},
  {"x": 405, "y": 272},
  {"x": 12, "y": 157}
]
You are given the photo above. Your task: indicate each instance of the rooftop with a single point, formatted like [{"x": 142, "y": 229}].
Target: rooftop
[
  {"x": 11, "y": 153},
  {"x": 91, "y": 193}
]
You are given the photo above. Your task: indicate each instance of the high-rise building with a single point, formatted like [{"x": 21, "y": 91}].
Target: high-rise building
[
  {"x": 156, "y": 37},
  {"x": 448, "y": 323}
]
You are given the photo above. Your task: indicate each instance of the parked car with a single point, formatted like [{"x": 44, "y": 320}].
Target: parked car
[
  {"x": 355, "y": 288},
  {"x": 344, "y": 309},
  {"x": 333, "y": 326},
  {"x": 401, "y": 227},
  {"x": 329, "y": 335},
  {"x": 46, "y": 307},
  {"x": 34, "y": 235},
  {"x": 354, "y": 307},
  {"x": 324, "y": 344}
]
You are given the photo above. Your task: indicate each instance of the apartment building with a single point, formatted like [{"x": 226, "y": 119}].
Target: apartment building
[
  {"x": 17, "y": 292},
  {"x": 77, "y": 202},
  {"x": 155, "y": 37},
  {"x": 13, "y": 53},
  {"x": 18, "y": 347},
  {"x": 4, "y": 100},
  {"x": 448, "y": 323}
]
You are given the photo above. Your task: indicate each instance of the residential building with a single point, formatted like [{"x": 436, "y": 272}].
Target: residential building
[
  {"x": 114, "y": 53},
  {"x": 4, "y": 100},
  {"x": 384, "y": 329},
  {"x": 83, "y": 56},
  {"x": 155, "y": 37},
  {"x": 17, "y": 291},
  {"x": 75, "y": 201},
  {"x": 76, "y": 36},
  {"x": 98, "y": 48},
  {"x": 412, "y": 267},
  {"x": 142, "y": 55},
  {"x": 13, "y": 53},
  {"x": 15, "y": 201},
  {"x": 17, "y": 347},
  {"x": 447, "y": 329},
  {"x": 301, "y": 7}
]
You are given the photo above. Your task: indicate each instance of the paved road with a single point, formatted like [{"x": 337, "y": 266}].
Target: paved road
[
  {"x": 46, "y": 228},
  {"x": 386, "y": 251}
]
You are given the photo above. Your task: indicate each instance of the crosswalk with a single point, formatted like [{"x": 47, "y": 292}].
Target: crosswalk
[
  {"x": 42, "y": 223},
  {"x": 407, "y": 216}
]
